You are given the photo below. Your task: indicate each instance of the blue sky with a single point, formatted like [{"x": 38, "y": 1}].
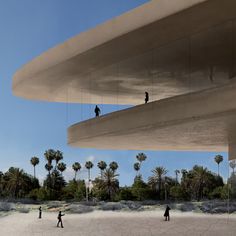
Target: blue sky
[{"x": 28, "y": 128}]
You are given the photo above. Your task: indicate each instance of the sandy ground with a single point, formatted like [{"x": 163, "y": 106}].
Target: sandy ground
[{"x": 118, "y": 223}]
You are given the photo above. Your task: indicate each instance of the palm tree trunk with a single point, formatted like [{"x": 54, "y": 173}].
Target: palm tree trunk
[
  {"x": 34, "y": 171},
  {"x": 159, "y": 189},
  {"x": 110, "y": 194},
  {"x": 218, "y": 169},
  {"x": 75, "y": 175},
  {"x": 88, "y": 174}
]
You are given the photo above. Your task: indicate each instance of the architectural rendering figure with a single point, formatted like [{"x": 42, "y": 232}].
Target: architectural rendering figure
[
  {"x": 146, "y": 97},
  {"x": 40, "y": 212},
  {"x": 97, "y": 111},
  {"x": 60, "y": 219},
  {"x": 167, "y": 213}
]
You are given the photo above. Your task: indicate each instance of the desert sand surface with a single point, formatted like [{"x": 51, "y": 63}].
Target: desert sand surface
[{"x": 118, "y": 223}]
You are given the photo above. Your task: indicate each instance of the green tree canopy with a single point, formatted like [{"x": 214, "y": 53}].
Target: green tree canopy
[
  {"x": 218, "y": 160},
  {"x": 109, "y": 182},
  {"x": 49, "y": 155},
  {"x": 34, "y": 161},
  {"x": 61, "y": 167},
  {"x": 102, "y": 165},
  {"x": 58, "y": 156},
  {"x": 88, "y": 166},
  {"x": 141, "y": 157},
  {"x": 232, "y": 164},
  {"x": 76, "y": 167},
  {"x": 156, "y": 181},
  {"x": 137, "y": 166},
  {"x": 113, "y": 166}
]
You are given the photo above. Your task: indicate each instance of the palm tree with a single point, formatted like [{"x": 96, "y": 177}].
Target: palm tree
[
  {"x": 1, "y": 182},
  {"x": 232, "y": 164},
  {"x": 165, "y": 187},
  {"x": 58, "y": 156},
  {"x": 176, "y": 175},
  {"x": 141, "y": 157},
  {"x": 34, "y": 161},
  {"x": 49, "y": 156},
  {"x": 184, "y": 172},
  {"x": 158, "y": 176},
  {"x": 109, "y": 182},
  {"x": 61, "y": 167},
  {"x": 88, "y": 165},
  {"x": 15, "y": 180},
  {"x": 102, "y": 165},
  {"x": 200, "y": 178},
  {"x": 48, "y": 167},
  {"x": 218, "y": 160},
  {"x": 137, "y": 167},
  {"x": 113, "y": 166},
  {"x": 76, "y": 167}
]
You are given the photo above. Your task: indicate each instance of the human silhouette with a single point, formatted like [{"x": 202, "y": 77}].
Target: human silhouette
[
  {"x": 40, "y": 212},
  {"x": 167, "y": 213},
  {"x": 146, "y": 97},
  {"x": 97, "y": 111},
  {"x": 60, "y": 219}
]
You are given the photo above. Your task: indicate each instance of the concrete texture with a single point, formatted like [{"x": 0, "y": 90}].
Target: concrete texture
[
  {"x": 164, "y": 47},
  {"x": 119, "y": 224},
  {"x": 200, "y": 121}
]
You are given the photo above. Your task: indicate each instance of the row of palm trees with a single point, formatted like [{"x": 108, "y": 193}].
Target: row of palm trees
[
  {"x": 52, "y": 155},
  {"x": 57, "y": 156},
  {"x": 194, "y": 179}
]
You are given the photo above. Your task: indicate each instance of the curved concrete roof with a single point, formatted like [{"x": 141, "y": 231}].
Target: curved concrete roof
[
  {"x": 146, "y": 49},
  {"x": 182, "y": 52}
]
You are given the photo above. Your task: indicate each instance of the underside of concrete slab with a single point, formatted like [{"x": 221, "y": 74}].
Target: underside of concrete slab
[{"x": 164, "y": 47}]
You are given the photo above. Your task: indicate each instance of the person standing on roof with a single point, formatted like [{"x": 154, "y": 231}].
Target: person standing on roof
[
  {"x": 97, "y": 111},
  {"x": 146, "y": 97}
]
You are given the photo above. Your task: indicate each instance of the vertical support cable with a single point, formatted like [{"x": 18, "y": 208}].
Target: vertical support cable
[
  {"x": 117, "y": 98},
  {"x": 90, "y": 97},
  {"x": 67, "y": 108},
  {"x": 231, "y": 70},
  {"x": 189, "y": 60},
  {"x": 81, "y": 102},
  {"x": 152, "y": 75},
  {"x": 228, "y": 200}
]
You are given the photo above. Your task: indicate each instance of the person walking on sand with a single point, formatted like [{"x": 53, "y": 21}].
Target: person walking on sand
[
  {"x": 40, "y": 212},
  {"x": 167, "y": 213},
  {"x": 146, "y": 97},
  {"x": 60, "y": 219},
  {"x": 97, "y": 111}
]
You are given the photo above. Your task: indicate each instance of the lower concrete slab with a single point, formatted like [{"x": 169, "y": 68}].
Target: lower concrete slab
[{"x": 201, "y": 121}]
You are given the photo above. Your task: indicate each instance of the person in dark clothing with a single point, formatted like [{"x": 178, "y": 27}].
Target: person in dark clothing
[
  {"x": 40, "y": 212},
  {"x": 97, "y": 111},
  {"x": 146, "y": 97},
  {"x": 60, "y": 219},
  {"x": 167, "y": 213}
]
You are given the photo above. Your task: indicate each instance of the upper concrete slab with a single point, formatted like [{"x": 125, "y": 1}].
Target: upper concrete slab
[{"x": 163, "y": 47}]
